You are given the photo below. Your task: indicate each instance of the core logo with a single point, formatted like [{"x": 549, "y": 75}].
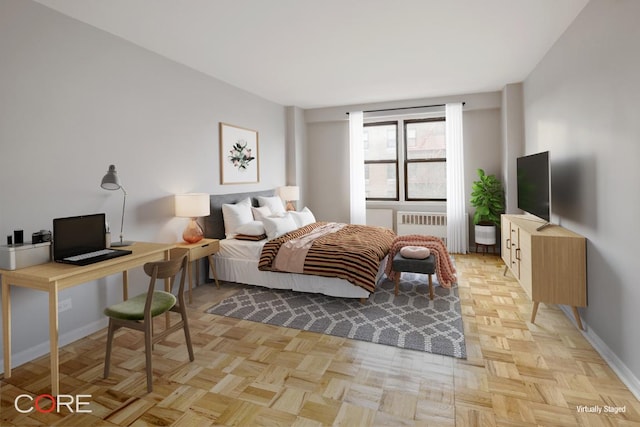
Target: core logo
[{"x": 45, "y": 403}]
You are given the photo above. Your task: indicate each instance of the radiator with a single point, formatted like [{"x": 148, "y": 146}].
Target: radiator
[{"x": 424, "y": 223}]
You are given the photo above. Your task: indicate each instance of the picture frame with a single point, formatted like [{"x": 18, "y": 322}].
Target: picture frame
[{"x": 239, "y": 159}]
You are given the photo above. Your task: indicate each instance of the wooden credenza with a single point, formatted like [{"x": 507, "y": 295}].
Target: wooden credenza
[{"x": 550, "y": 264}]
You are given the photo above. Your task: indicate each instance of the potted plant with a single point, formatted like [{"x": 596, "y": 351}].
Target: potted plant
[{"x": 487, "y": 196}]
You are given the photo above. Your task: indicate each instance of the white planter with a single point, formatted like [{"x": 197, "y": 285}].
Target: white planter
[{"x": 485, "y": 234}]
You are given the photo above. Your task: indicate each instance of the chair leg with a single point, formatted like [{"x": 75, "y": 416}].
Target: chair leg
[
  {"x": 430, "y": 287},
  {"x": 398, "y": 273},
  {"x": 107, "y": 357},
  {"x": 187, "y": 335},
  {"x": 148, "y": 345}
]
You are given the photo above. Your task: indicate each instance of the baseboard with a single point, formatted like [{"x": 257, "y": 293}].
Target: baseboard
[
  {"x": 67, "y": 338},
  {"x": 618, "y": 366}
]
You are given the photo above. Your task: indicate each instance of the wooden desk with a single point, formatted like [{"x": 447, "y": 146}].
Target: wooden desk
[
  {"x": 53, "y": 277},
  {"x": 203, "y": 248}
]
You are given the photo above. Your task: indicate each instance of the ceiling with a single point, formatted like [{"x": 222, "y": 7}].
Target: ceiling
[{"x": 318, "y": 53}]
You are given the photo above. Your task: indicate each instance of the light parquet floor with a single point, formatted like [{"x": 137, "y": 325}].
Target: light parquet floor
[{"x": 248, "y": 374}]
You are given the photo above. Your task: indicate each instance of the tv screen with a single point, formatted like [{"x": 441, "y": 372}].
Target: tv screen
[{"x": 534, "y": 184}]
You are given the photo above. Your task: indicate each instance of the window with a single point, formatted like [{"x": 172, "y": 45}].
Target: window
[
  {"x": 424, "y": 154},
  {"x": 381, "y": 160},
  {"x": 425, "y": 160}
]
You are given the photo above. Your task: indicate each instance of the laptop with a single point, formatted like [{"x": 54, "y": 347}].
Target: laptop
[{"x": 80, "y": 240}]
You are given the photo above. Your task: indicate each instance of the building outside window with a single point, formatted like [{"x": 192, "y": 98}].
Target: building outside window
[{"x": 423, "y": 155}]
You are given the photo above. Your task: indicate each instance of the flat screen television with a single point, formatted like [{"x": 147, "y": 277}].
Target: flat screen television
[{"x": 534, "y": 185}]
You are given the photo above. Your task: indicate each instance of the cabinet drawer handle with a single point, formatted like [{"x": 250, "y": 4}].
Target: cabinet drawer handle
[
  {"x": 518, "y": 254},
  {"x": 508, "y": 243}
]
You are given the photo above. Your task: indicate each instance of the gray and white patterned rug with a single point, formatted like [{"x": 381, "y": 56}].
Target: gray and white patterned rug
[{"x": 409, "y": 320}]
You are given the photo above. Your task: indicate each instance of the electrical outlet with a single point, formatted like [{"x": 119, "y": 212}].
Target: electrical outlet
[{"x": 64, "y": 305}]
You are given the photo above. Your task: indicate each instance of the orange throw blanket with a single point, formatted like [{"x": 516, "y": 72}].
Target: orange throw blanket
[{"x": 445, "y": 270}]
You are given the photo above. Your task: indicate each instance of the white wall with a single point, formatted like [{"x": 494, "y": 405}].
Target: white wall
[
  {"x": 75, "y": 99},
  {"x": 582, "y": 102}
]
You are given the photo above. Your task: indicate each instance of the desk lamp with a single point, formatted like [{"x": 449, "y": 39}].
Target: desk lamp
[
  {"x": 111, "y": 182},
  {"x": 192, "y": 205}
]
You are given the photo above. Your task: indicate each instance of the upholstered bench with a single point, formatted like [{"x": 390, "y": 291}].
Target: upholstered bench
[{"x": 413, "y": 265}]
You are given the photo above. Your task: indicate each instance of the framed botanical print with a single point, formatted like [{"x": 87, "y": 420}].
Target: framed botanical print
[{"x": 239, "y": 163}]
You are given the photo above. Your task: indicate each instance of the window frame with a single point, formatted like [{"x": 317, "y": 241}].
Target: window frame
[
  {"x": 396, "y": 161},
  {"x": 408, "y": 161}
]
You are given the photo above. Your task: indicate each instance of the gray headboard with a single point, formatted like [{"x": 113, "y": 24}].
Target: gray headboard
[{"x": 214, "y": 223}]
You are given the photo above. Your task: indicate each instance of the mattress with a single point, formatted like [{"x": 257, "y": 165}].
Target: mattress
[{"x": 237, "y": 261}]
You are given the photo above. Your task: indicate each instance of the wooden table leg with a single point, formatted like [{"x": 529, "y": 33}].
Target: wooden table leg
[
  {"x": 167, "y": 288},
  {"x": 213, "y": 270},
  {"x": 6, "y": 327},
  {"x": 53, "y": 341},
  {"x": 534, "y": 311},
  {"x": 125, "y": 285},
  {"x": 190, "y": 275}
]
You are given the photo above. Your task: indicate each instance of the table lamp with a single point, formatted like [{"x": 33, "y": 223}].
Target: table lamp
[
  {"x": 192, "y": 205},
  {"x": 289, "y": 194},
  {"x": 111, "y": 182}
]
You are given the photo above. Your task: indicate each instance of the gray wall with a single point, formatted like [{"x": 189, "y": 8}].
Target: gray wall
[
  {"x": 75, "y": 99},
  {"x": 512, "y": 142},
  {"x": 327, "y": 192},
  {"x": 582, "y": 102},
  {"x": 296, "y": 151}
]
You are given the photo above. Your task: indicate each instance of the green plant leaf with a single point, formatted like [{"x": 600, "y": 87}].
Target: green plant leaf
[{"x": 487, "y": 196}]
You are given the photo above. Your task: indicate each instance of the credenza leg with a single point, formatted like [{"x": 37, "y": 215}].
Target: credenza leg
[
  {"x": 577, "y": 316},
  {"x": 534, "y": 311}
]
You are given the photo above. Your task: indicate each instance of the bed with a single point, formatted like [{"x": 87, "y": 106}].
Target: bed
[{"x": 238, "y": 260}]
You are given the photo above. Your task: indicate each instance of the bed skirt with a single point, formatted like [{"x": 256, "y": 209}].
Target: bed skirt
[{"x": 246, "y": 271}]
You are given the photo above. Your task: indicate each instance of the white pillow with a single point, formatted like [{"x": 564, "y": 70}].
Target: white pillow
[
  {"x": 253, "y": 228},
  {"x": 304, "y": 217},
  {"x": 261, "y": 212},
  {"x": 274, "y": 203},
  {"x": 236, "y": 215},
  {"x": 277, "y": 226}
]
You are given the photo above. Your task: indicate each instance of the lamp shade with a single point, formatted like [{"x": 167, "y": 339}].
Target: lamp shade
[
  {"x": 111, "y": 181},
  {"x": 289, "y": 193},
  {"x": 192, "y": 205}
]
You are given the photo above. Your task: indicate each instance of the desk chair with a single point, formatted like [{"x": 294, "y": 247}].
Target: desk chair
[{"x": 138, "y": 312}]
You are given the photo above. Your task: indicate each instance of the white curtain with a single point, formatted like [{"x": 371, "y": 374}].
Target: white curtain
[
  {"x": 357, "y": 193},
  {"x": 457, "y": 228}
]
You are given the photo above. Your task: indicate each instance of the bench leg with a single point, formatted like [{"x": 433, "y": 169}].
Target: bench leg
[
  {"x": 430, "y": 287},
  {"x": 397, "y": 282}
]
